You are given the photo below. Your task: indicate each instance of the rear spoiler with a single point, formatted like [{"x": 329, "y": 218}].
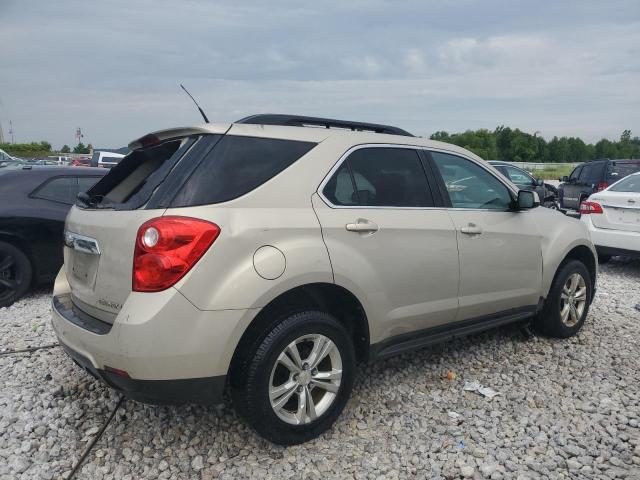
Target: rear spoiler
[{"x": 160, "y": 136}]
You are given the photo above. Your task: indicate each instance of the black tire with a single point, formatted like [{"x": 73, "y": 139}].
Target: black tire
[
  {"x": 15, "y": 274},
  {"x": 251, "y": 393},
  {"x": 604, "y": 258},
  {"x": 549, "y": 320}
]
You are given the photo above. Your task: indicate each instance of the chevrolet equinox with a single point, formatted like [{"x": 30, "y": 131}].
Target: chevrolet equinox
[{"x": 262, "y": 260}]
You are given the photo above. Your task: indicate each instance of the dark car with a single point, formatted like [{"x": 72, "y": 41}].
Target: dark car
[
  {"x": 547, "y": 193},
  {"x": 591, "y": 177},
  {"x": 34, "y": 202}
]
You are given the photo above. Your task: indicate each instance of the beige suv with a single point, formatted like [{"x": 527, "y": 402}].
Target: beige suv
[{"x": 264, "y": 259}]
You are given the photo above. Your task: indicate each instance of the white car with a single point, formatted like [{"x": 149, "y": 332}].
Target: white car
[
  {"x": 613, "y": 218},
  {"x": 105, "y": 159}
]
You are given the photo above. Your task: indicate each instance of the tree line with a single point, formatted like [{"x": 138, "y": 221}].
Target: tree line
[
  {"x": 514, "y": 145},
  {"x": 40, "y": 149}
]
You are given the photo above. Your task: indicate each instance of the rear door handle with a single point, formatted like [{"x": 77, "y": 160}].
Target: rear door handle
[
  {"x": 362, "y": 225},
  {"x": 471, "y": 229}
]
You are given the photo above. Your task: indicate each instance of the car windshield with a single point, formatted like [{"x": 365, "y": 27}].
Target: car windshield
[{"x": 629, "y": 184}]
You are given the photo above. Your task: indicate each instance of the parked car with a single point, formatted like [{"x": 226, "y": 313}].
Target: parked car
[
  {"x": 105, "y": 159},
  {"x": 590, "y": 177},
  {"x": 81, "y": 162},
  {"x": 265, "y": 259},
  {"x": 33, "y": 205},
  {"x": 547, "y": 193},
  {"x": 58, "y": 160},
  {"x": 5, "y": 157},
  {"x": 13, "y": 163},
  {"x": 613, "y": 218}
]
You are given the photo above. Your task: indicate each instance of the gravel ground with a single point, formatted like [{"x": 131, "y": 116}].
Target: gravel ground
[{"x": 567, "y": 409}]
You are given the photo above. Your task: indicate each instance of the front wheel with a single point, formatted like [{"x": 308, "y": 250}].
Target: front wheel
[
  {"x": 298, "y": 380},
  {"x": 567, "y": 304},
  {"x": 15, "y": 274}
]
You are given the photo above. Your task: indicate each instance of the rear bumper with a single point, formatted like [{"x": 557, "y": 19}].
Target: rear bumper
[
  {"x": 613, "y": 242},
  {"x": 173, "y": 392},
  {"x": 171, "y": 351}
]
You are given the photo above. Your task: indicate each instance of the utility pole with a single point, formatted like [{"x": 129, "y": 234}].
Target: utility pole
[
  {"x": 1, "y": 134},
  {"x": 79, "y": 134},
  {"x": 11, "y": 130}
]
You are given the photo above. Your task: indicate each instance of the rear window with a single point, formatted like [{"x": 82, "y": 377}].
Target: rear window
[
  {"x": 130, "y": 183},
  {"x": 618, "y": 170},
  {"x": 236, "y": 166},
  {"x": 630, "y": 184},
  {"x": 192, "y": 171}
]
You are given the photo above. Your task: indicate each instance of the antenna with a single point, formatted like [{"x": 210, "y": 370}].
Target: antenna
[{"x": 194, "y": 101}]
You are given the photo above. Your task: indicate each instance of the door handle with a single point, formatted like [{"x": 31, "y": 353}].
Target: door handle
[
  {"x": 362, "y": 225},
  {"x": 471, "y": 229}
]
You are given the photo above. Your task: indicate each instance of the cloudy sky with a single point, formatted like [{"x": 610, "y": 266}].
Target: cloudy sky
[{"x": 113, "y": 67}]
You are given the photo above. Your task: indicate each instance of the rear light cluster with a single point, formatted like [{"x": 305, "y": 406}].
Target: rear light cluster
[
  {"x": 587, "y": 208},
  {"x": 167, "y": 248}
]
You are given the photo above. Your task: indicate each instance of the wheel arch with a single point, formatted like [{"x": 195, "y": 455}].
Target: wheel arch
[
  {"x": 22, "y": 245},
  {"x": 328, "y": 297},
  {"x": 583, "y": 254}
]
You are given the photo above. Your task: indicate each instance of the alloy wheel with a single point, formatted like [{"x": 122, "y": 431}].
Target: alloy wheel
[
  {"x": 573, "y": 300},
  {"x": 305, "y": 379}
]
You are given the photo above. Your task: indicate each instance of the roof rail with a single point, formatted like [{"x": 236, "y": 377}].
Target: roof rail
[{"x": 302, "y": 121}]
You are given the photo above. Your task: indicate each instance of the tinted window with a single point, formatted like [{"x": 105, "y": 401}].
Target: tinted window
[
  {"x": 85, "y": 183},
  {"x": 576, "y": 173},
  {"x": 236, "y": 166},
  {"x": 469, "y": 185},
  {"x": 597, "y": 172},
  {"x": 62, "y": 189},
  {"x": 383, "y": 177},
  {"x": 585, "y": 174},
  {"x": 618, "y": 170}
]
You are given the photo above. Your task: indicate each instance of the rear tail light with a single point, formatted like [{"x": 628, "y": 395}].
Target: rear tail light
[
  {"x": 602, "y": 186},
  {"x": 587, "y": 208},
  {"x": 167, "y": 248}
]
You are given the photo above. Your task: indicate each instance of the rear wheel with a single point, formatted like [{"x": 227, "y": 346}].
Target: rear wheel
[
  {"x": 567, "y": 304},
  {"x": 15, "y": 274},
  {"x": 298, "y": 380}
]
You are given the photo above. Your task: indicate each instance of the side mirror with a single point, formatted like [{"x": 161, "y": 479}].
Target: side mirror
[
  {"x": 527, "y": 199},
  {"x": 539, "y": 182}
]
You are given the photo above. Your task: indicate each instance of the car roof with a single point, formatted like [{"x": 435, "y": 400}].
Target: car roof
[{"x": 308, "y": 134}]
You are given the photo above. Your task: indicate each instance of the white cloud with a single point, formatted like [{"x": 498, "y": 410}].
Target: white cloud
[{"x": 569, "y": 68}]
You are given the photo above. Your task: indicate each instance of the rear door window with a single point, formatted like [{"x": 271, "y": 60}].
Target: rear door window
[
  {"x": 60, "y": 189},
  {"x": 236, "y": 166},
  {"x": 380, "y": 177},
  {"x": 596, "y": 175}
]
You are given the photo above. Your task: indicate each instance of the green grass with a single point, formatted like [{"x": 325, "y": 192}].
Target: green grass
[{"x": 553, "y": 172}]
